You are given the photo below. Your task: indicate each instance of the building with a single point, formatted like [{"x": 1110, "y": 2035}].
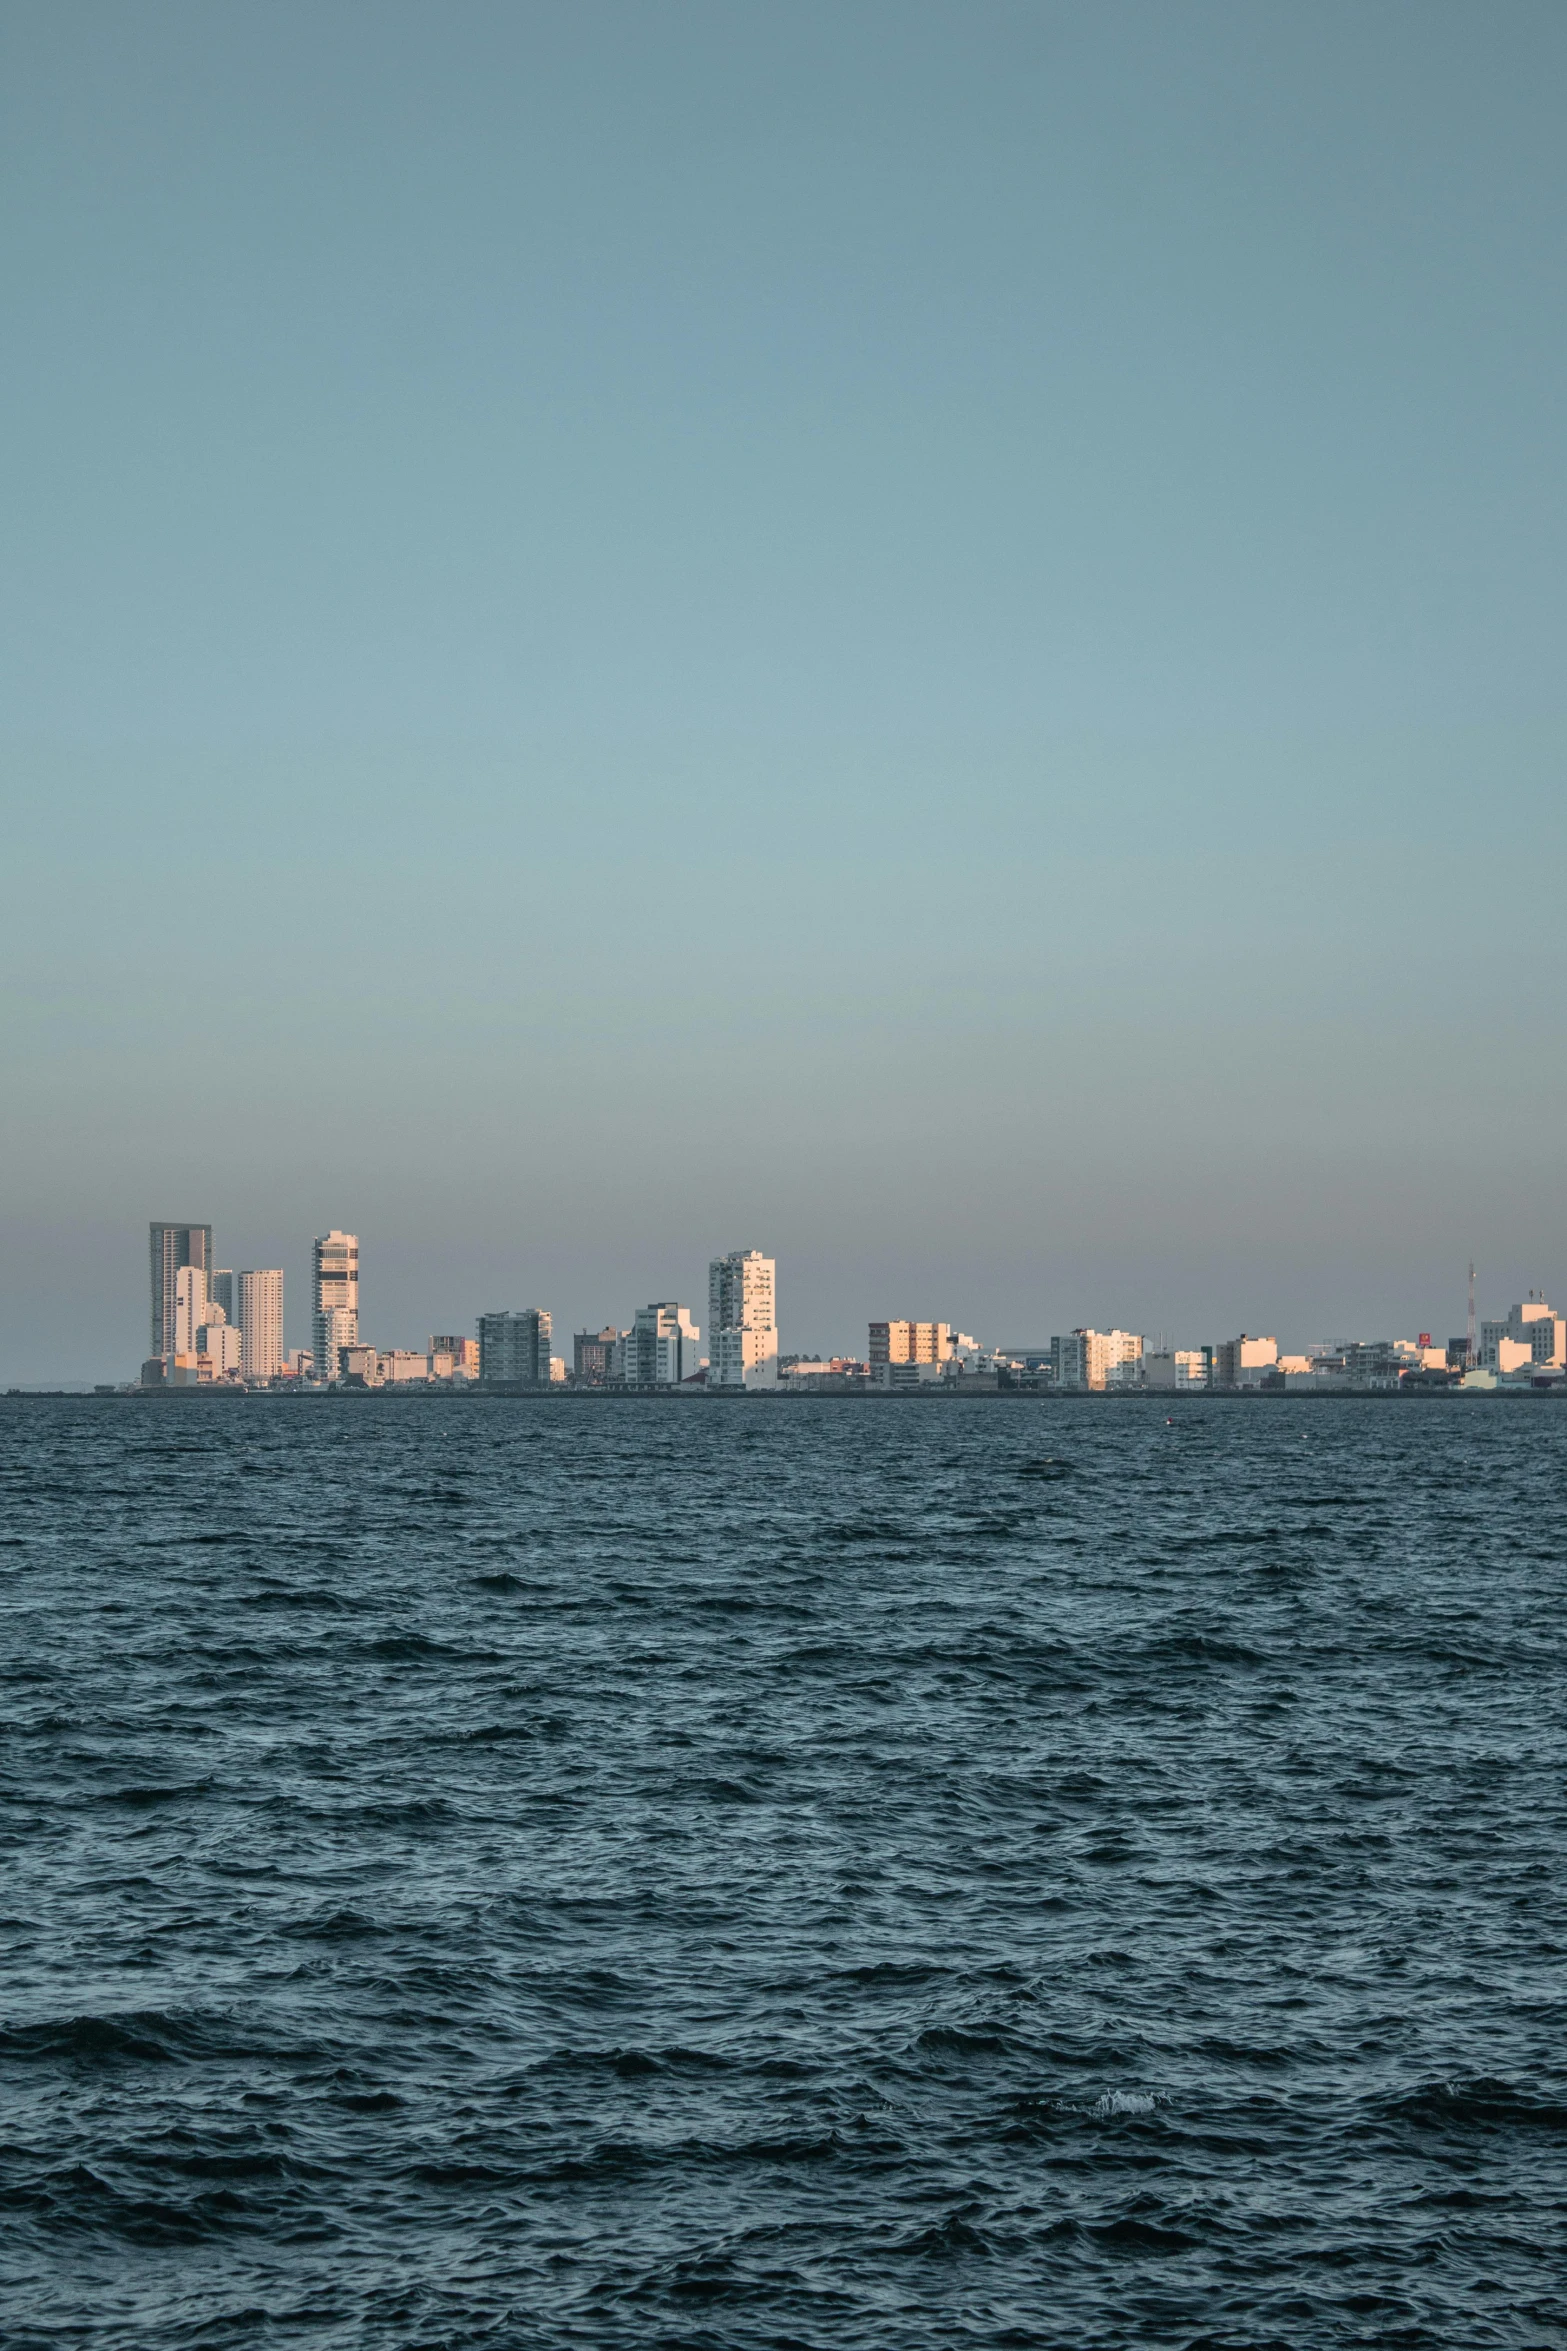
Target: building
[
  {"x": 334, "y": 1299},
  {"x": 174, "y": 1246},
  {"x": 221, "y": 1290},
  {"x": 464, "y": 1354},
  {"x": 1242, "y": 1362},
  {"x": 358, "y": 1367},
  {"x": 1176, "y": 1367},
  {"x": 217, "y": 1347},
  {"x": 593, "y": 1356},
  {"x": 908, "y": 1374},
  {"x": 515, "y": 1348},
  {"x": 336, "y": 1329},
  {"x": 401, "y": 1364},
  {"x": 1091, "y": 1360},
  {"x": 661, "y": 1347},
  {"x": 190, "y": 1310},
  {"x": 909, "y": 1342},
  {"x": 1538, "y": 1327},
  {"x": 259, "y": 1298},
  {"x": 742, "y": 1320}
]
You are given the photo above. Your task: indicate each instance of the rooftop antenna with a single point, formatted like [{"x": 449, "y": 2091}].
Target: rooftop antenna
[{"x": 1469, "y": 1344}]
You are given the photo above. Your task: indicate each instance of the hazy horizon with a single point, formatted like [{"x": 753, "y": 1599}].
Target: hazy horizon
[{"x": 926, "y": 638}]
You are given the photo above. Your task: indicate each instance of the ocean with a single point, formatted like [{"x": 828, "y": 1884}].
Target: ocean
[{"x": 554, "y": 1873}]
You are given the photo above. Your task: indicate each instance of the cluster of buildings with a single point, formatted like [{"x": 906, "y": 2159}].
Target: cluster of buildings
[{"x": 212, "y": 1325}]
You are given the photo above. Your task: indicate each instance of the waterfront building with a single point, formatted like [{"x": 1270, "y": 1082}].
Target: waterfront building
[
  {"x": 259, "y": 1297},
  {"x": 593, "y": 1358},
  {"x": 909, "y": 1342},
  {"x": 742, "y": 1320},
  {"x": 1243, "y": 1362},
  {"x": 661, "y": 1347},
  {"x": 464, "y": 1354},
  {"x": 190, "y": 1309},
  {"x": 1090, "y": 1359},
  {"x": 907, "y": 1373},
  {"x": 336, "y": 1329},
  {"x": 1543, "y": 1329},
  {"x": 334, "y": 1299},
  {"x": 515, "y": 1348},
  {"x": 358, "y": 1367},
  {"x": 217, "y": 1347},
  {"x": 222, "y": 1291},
  {"x": 174, "y": 1246},
  {"x": 401, "y": 1364},
  {"x": 1176, "y": 1367}
]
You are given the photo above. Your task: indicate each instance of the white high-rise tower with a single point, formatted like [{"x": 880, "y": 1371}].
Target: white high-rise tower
[
  {"x": 742, "y": 1321},
  {"x": 259, "y": 1299},
  {"x": 334, "y": 1300}
]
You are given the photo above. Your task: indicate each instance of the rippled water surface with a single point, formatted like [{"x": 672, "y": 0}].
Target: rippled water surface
[{"x": 736, "y": 1875}]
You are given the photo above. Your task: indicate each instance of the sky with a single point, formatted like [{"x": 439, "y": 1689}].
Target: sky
[{"x": 927, "y": 637}]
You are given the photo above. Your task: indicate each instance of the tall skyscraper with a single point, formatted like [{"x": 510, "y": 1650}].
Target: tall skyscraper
[
  {"x": 260, "y": 1318},
  {"x": 742, "y": 1321},
  {"x": 221, "y": 1291},
  {"x": 334, "y": 1301},
  {"x": 174, "y": 1246},
  {"x": 516, "y": 1347}
]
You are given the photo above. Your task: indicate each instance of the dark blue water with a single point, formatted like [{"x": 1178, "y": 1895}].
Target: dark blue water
[{"x": 1007, "y": 1873}]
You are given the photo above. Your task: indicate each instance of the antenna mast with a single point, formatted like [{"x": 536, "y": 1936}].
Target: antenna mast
[{"x": 1469, "y": 1350}]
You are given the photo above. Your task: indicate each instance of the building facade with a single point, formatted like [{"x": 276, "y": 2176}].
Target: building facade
[
  {"x": 1176, "y": 1367},
  {"x": 259, "y": 1303},
  {"x": 464, "y": 1355},
  {"x": 909, "y": 1342},
  {"x": 174, "y": 1246},
  {"x": 593, "y": 1356},
  {"x": 1243, "y": 1362},
  {"x": 1092, "y": 1360},
  {"x": 742, "y": 1320},
  {"x": 334, "y": 1299},
  {"x": 515, "y": 1348},
  {"x": 190, "y": 1309},
  {"x": 661, "y": 1347}
]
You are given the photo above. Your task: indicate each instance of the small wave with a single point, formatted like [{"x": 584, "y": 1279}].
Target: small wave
[
  {"x": 154, "y": 1795},
  {"x": 1480, "y": 2103},
  {"x": 1116, "y": 2102},
  {"x": 145, "y": 2033},
  {"x": 944, "y": 2239}
]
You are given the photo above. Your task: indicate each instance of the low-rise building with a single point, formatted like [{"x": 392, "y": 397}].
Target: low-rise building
[
  {"x": 462, "y": 1355},
  {"x": 1175, "y": 1367}
]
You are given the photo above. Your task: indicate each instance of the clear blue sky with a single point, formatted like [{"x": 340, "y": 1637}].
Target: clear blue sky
[{"x": 929, "y": 637}]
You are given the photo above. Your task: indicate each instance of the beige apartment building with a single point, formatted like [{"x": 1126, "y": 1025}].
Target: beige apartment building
[{"x": 910, "y": 1342}]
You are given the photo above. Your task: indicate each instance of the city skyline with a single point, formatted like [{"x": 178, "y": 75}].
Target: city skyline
[
  {"x": 661, "y": 1344},
  {"x": 991, "y": 699}
]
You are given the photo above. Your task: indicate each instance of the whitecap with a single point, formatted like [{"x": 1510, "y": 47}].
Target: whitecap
[{"x": 1124, "y": 2102}]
